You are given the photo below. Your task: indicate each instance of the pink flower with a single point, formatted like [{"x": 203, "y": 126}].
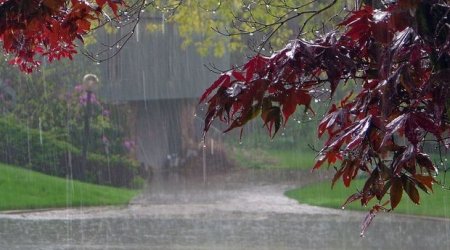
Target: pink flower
[
  {"x": 106, "y": 112},
  {"x": 79, "y": 88},
  {"x": 83, "y": 99},
  {"x": 129, "y": 144}
]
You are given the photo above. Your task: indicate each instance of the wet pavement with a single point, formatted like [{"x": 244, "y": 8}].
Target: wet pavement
[{"x": 232, "y": 211}]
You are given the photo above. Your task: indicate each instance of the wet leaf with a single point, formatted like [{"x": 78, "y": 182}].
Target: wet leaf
[
  {"x": 411, "y": 190},
  {"x": 366, "y": 222},
  {"x": 349, "y": 172},
  {"x": 336, "y": 176},
  {"x": 368, "y": 186},
  {"x": 400, "y": 69},
  {"x": 425, "y": 161},
  {"x": 352, "y": 198},
  {"x": 425, "y": 180},
  {"x": 396, "y": 191},
  {"x": 272, "y": 119},
  {"x": 223, "y": 80}
]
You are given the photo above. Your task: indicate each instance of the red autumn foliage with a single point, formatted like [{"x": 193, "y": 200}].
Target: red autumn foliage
[
  {"x": 30, "y": 29},
  {"x": 399, "y": 56}
]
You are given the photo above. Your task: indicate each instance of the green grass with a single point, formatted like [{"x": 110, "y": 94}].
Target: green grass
[
  {"x": 273, "y": 158},
  {"x": 25, "y": 189},
  {"x": 320, "y": 194}
]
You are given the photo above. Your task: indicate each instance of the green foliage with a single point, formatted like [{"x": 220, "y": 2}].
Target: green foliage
[
  {"x": 24, "y": 189},
  {"x": 47, "y": 100},
  {"x": 138, "y": 182},
  {"x": 200, "y": 22},
  {"x": 272, "y": 158},
  {"x": 42, "y": 98},
  {"x": 291, "y": 149},
  {"x": 44, "y": 152},
  {"x": 319, "y": 194},
  {"x": 106, "y": 133}
]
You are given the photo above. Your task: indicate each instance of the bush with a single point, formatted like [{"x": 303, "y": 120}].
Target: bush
[{"x": 44, "y": 152}]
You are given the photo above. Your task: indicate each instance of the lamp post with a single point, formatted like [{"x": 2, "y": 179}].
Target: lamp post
[{"x": 90, "y": 84}]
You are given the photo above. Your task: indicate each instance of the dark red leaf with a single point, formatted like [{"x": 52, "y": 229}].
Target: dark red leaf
[
  {"x": 396, "y": 191},
  {"x": 352, "y": 198},
  {"x": 347, "y": 176},
  {"x": 289, "y": 104},
  {"x": 248, "y": 115},
  {"x": 336, "y": 176},
  {"x": 367, "y": 221},
  {"x": 402, "y": 160},
  {"x": 322, "y": 158},
  {"x": 360, "y": 133},
  {"x": 114, "y": 5},
  {"x": 370, "y": 216},
  {"x": 100, "y": 3},
  {"x": 272, "y": 116},
  {"x": 411, "y": 190},
  {"x": 238, "y": 75},
  {"x": 425, "y": 180},
  {"x": 400, "y": 69},
  {"x": 425, "y": 161},
  {"x": 368, "y": 186},
  {"x": 304, "y": 98},
  {"x": 394, "y": 126},
  {"x": 224, "y": 79},
  {"x": 425, "y": 122}
]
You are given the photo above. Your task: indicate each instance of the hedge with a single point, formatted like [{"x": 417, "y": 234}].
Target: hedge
[{"x": 44, "y": 152}]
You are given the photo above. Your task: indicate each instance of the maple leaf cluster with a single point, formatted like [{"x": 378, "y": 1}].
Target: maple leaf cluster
[
  {"x": 399, "y": 56},
  {"x": 33, "y": 28}
]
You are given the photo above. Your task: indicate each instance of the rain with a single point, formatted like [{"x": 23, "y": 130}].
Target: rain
[{"x": 108, "y": 151}]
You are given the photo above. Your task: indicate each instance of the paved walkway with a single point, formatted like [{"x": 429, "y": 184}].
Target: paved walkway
[{"x": 224, "y": 213}]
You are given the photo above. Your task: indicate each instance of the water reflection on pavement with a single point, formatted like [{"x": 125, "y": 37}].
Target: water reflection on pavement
[{"x": 237, "y": 212}]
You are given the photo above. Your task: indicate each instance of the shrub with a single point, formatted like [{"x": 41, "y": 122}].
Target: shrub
[{"x": 44, "y": 152}]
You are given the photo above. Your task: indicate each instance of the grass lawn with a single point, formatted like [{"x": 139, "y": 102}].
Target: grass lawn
[
  {"x": 273, "y": 158},
  {"x": 25, "y": 189},
  {"x": 320, "y": 194}
]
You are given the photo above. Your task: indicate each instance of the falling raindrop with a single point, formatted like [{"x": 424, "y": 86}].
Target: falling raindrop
[
  {"x": 212, "y": 146},
  {"x": 40, "y": 131},
  {"x": 28, "y": 143},
  {"x": 204, "y": 162}
]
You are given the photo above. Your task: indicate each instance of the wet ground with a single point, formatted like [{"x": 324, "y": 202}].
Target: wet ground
[{"x": 236, "y": 210}]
